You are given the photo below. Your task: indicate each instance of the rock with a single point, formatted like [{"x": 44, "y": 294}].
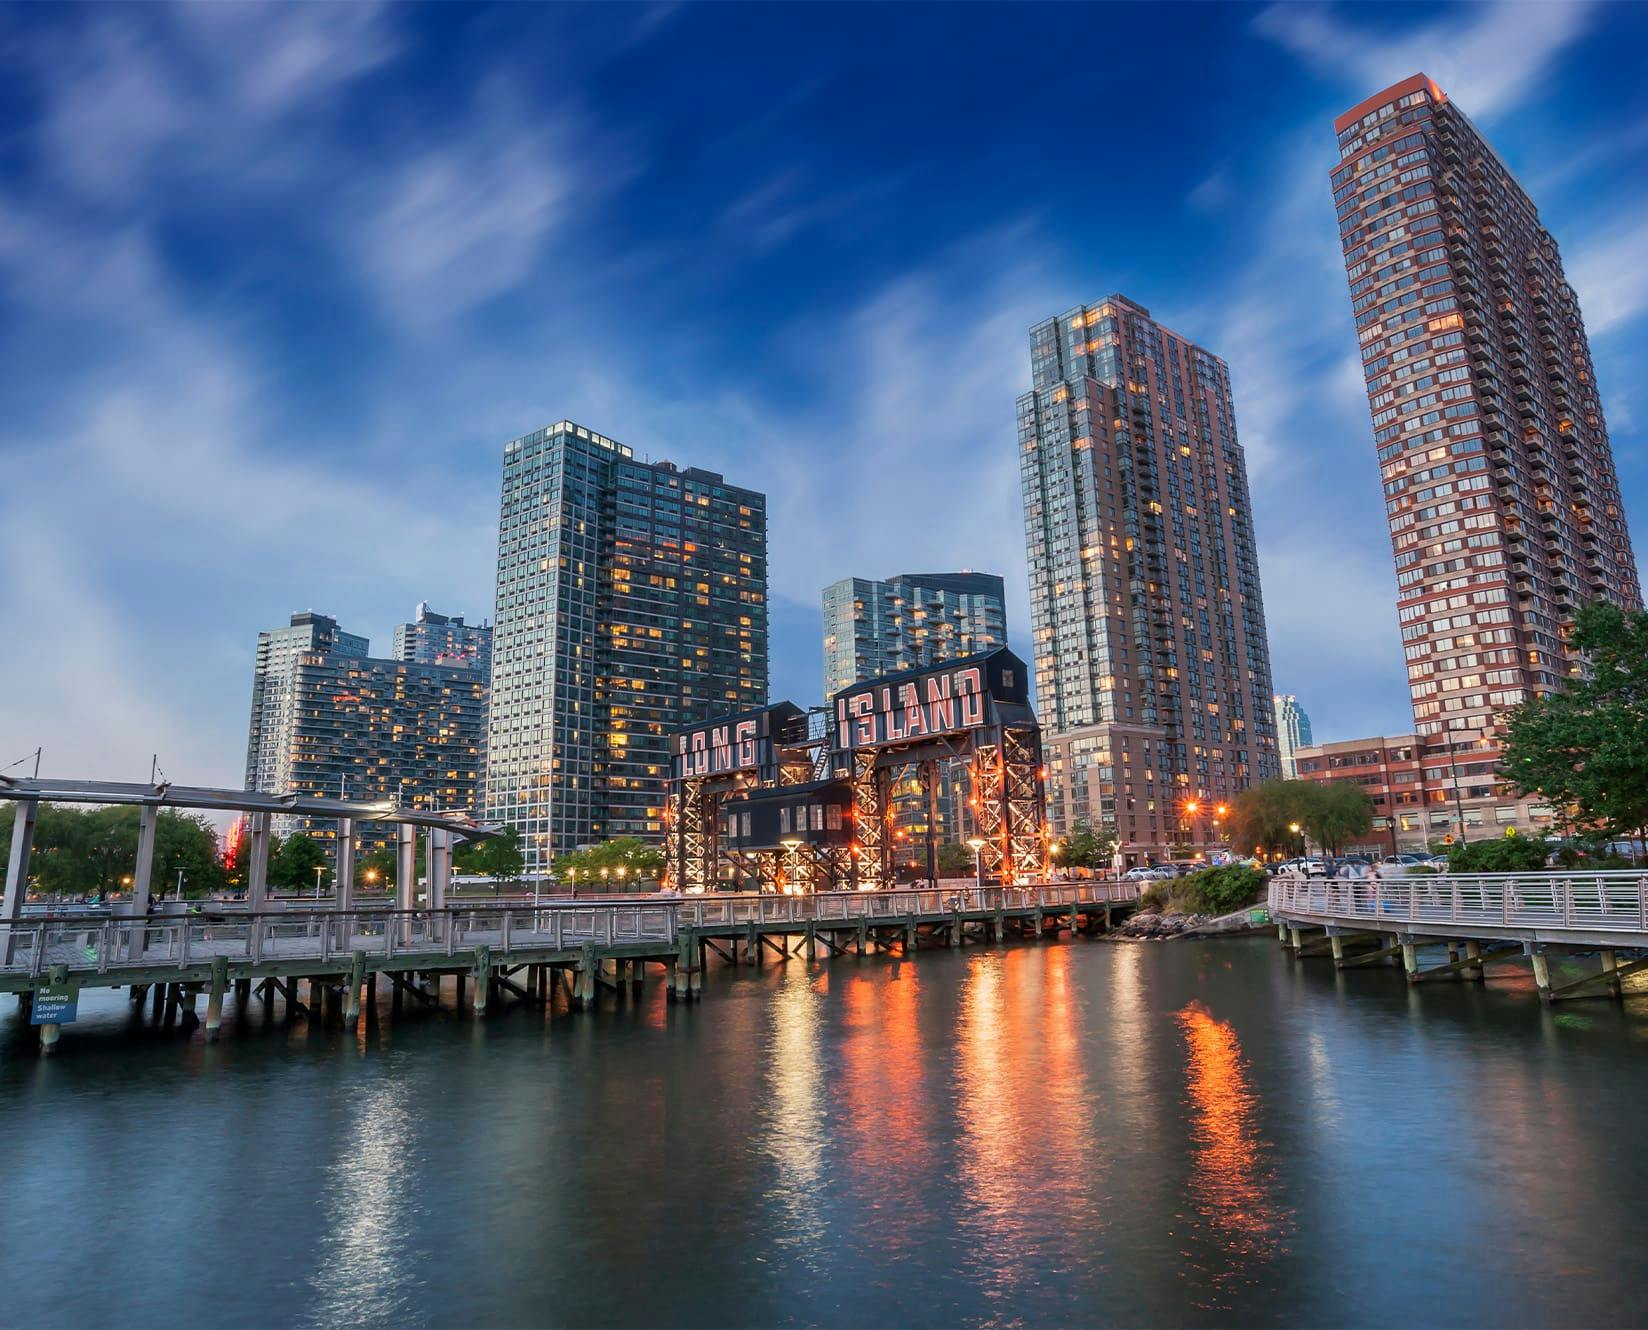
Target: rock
[{"x": 1157, "y": 927}]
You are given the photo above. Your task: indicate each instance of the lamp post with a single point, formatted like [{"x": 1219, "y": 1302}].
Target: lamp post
[
  {"x": 1453, "y": 770},
  {"x": 320, "y": 870},
  {"x": 977, "y": 844},
  {"x": 604, "y": 878},
  {"x": 1296, "y": 829}
]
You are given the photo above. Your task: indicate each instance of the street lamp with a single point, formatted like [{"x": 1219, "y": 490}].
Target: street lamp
[
  {"x": 320, "y": 869},
  {"x": 1295, "y": 828},
  {"x": 180, "y": 886},
  {"x": 604, "y": 876},
  {"x": 977, "y": 844}
]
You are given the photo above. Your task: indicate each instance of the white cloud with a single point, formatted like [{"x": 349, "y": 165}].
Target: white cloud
[
  {"x": 1609, "y": 272},
  {"x": 1486, "y": 57}
]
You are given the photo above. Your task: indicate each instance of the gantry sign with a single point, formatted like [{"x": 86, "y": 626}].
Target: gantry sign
[{"x": 976, "y": 709}]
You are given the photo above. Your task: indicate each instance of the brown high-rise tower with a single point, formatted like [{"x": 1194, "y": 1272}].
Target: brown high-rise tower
[{"x": 1504, "y": 508}]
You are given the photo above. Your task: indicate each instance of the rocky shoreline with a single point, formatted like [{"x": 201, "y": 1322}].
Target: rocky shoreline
[{"x": 1154, "y": 927}]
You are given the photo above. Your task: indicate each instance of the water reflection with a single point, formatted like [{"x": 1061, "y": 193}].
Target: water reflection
[
  {"x": 364, "y": 1276},
  {"x": 793, "y": 1135},
  {"x": 1231, "y": 1182}
]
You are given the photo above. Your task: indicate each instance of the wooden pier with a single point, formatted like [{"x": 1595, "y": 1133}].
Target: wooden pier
[
  {"x": 1481, "y": 919},
  {"x": 511, "y": 951}
]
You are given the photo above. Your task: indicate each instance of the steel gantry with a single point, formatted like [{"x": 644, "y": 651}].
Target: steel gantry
[{"x": 764, "y": 800}]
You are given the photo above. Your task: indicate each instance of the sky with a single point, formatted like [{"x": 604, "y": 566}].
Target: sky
[{"x": 277, "y": 284}]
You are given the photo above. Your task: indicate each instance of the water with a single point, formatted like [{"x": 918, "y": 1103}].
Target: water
[{"x": 1071, "y": 1133}]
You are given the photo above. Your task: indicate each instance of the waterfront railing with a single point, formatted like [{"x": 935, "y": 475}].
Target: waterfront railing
[{"x": 1604, "y": 901}]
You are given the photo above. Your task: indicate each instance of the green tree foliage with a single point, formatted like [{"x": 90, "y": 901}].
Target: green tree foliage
[
  {"x": 1086, "y": 848},
  {"x": 1223, "y": 889},
  {"x": 498, "y": 858},
  {"x": 640, "y": 861},
  {"x": 1262, "y": 817},
  {"x": 93, "y": 851},
  {"x": 1499, "y": 854},
  {"x": 1336, "y": 812},
  {"x": 1585, "y": 749},
  {"x": 292, "y": 865},
  {"x": 955, "y": 860},
  {"x": 374, "y": 872}
]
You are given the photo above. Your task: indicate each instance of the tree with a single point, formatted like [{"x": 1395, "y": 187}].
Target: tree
[
  {"x": 498, "y": 857},
  {"x": 640, "y": 862},
  {"x": 1262, "y": 817},
  {"x": 954, "y": 860},
  {"x": 293, "y": 865},
  {"x": 1499, "y": 854},
  {"x": 1585, "y": 749},
  {"x": 1335, "y": 812},
  {"x": 1087, "y": 848},
  {"x": 374, "y": 871},
  {"x": 81, "y": 851}
]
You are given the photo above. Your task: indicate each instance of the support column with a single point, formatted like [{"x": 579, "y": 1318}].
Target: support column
[
  {"x": 17, "y": 870},
  {"x": 352, "y": 995},
  {"x": 1473, "y": 951},
  {"x": 346, "y": 864},
  {"x": 812, "y": 940},
  {"x": 1542, "y": 971},
  {"x": 214, "y": 997},
  {"x": 257, "y": 865},
  {"x": 438, "y": 865},
  {"x": 1338, "y": 945},
  {"x": 955, "y": 928},
  {"x": 1410, "y": 961},
  {"x": 148, "y": 819},
  {"x": 50, "y": 1032},
  {"x": 585, "y": 991},
  {"x": 1609, "y": 965},
  {"x": 483, "y": 978},
  {"x": 406, "y": 866}
]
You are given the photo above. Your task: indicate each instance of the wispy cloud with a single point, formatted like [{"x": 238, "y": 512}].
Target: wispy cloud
[
  {"x": 1609, "y": 272},
  {"x": 1487, "y": 57}
]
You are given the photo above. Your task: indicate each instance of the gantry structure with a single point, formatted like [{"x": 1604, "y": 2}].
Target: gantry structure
[{"x": 782, "y": 799}]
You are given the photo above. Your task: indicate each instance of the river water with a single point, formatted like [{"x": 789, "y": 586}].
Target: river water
[{"x": 1068, "y": 1133}]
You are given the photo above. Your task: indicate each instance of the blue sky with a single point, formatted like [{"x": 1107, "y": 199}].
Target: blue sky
[{"x": 276, "y": 284}]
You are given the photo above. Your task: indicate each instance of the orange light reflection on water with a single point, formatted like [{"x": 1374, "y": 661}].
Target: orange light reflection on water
[{"x": 1231, "y": 1184}]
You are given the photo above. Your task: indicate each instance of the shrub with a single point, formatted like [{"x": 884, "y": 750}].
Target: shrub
[
  {"x": 1502, "y": 854},
  {"x": 1221, "y": 890},
  {"x": 1153, "y": 896}
]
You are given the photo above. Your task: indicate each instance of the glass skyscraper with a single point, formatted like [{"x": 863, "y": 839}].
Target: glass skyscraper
[
  {"x": 330, "y": 720},
  {"x": 444, "y": 639},
  {"x": 873, "y": 628},
  {"x": 1292, "y": 733},
  {"x": 1152, "y": 666},
  {"x": 631, "y": 601},
  {"x": 1500, "y": 485}
]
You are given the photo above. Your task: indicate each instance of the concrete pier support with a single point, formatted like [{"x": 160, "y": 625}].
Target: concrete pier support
[
  {"x": 1410, "y": 960},
  {"x": 910, "y": 935},
  {"x": 584, "y": 993},
  {"x": 1542, "y": 972},
  {"x": 955, "y": 928},
  {"x": 1295, "y": 939},
  {"x": 1337, "y": 944},
  {"x": 214, "y": 997},
  {"x": 863, "y": 935},
  {"x": 1282, "y": 933},
  {"x": 1610, "y": 966},
  {"x": 812, "y": 940},
  {"x": 998, "y": 926},
  {"x": 1473, "y": 951}
]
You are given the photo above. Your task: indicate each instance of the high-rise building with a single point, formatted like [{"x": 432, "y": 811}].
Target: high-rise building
[
  {"x": 1292, "y": 733},
  {"x": 444, "y": 639},
  {"x": 873, "y": 628},
  {"x": 1152, "y": 665},
  {"x": 1505, "y": 512},
  {"x": 328, "y": 719},
  {"x": 631, "y": 601}
]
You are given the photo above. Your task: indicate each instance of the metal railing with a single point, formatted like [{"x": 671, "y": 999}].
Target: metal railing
[
  {"x": 108, "y": 941},
  {"x": 1597, "y": 901},
  {"x": 722, "y": 908},
  {"x": 119, "y": 942}
]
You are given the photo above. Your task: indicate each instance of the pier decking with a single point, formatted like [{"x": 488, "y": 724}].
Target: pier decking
[
  {"x": 1479, "y": 917},
  {"x": 518, "y": 949}
]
